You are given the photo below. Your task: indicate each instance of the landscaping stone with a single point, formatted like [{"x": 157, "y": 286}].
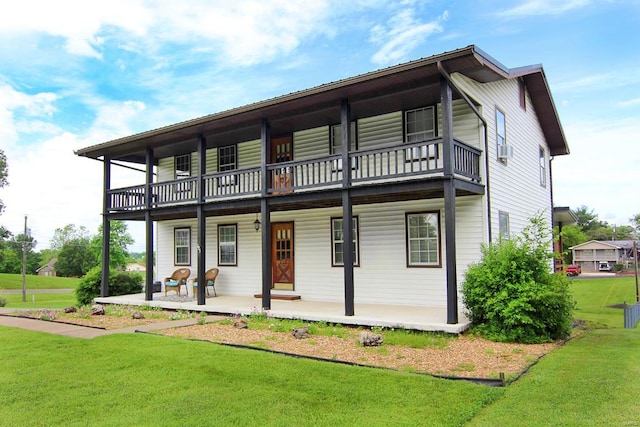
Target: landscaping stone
[
  {"x": 300, "y": 333},
  {"x": 97, "y": 310},
  {"x": 137, "y": 315},
  {"x": 369, "y": 339},
  {"x": 240, "y": 324},
  {"x": 71, "y": 309}
]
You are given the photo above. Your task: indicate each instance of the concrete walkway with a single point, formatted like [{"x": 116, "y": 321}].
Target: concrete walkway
[{"x": 9, "y": 318}]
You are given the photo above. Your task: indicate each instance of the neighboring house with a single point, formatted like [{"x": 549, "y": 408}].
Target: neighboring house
[
  {"x": 48, "y": 269},
  {"x": 590, "y": 254},
  {"x": 443, "y": 154},
  {"x": 135, "y": 267}
]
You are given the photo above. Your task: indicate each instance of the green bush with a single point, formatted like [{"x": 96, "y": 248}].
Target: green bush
[
  {"x": 511, "y": 294},
  {"x": 3, "y": 301},
  {"x": 120, "y": 283}
]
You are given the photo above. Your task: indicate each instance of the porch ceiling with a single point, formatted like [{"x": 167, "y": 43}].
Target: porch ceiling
[{"x": 395, "y": 88}]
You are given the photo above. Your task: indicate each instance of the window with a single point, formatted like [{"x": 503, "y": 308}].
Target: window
[
  {"x": 182, "y": 166},
  {"x": 419, "y": 126},
  {"x": 423, "y": 239},
  {"x": 523, "y": 94},
  {"x": 501, "y": 134},
  {"x": 227, "y": 161},
  {"x": 543, "y": 167},
  {"x": 182, "y": 246},
  {"x": 503, "y": 219},
  {"x": 227, "y": 248},
  {"x": 336, "y": 144},
  {"x": 337, "y": 242}
]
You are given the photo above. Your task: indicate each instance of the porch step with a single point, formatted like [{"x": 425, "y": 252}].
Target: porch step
[{"x": 282, "y": 297}]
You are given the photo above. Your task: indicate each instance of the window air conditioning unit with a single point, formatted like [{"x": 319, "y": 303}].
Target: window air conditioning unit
[{"x": 505, "y": 151}]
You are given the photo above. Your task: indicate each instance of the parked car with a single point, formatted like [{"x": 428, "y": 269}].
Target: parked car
[
  {"x": 604, "y": 266},
  {"x": 573, "y": 270}
]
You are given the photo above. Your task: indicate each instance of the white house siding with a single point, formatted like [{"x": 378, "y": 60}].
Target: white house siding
[
  {"x": 383, "y": 275},
  {"x": 515, "y": 186},
  {"x": 249, "y": 154},
  {"x": 311, "y": 143},
  {"x": 380, "y": 131}
]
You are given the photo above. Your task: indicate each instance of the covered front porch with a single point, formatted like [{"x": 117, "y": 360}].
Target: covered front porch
[{"x": 420, "y": 318}]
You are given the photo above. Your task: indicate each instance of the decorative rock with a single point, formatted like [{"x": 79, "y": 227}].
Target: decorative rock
[
  {"x": 71, "y": 309},
  {"x": 97, "y": 310},
  {"x": 300, "y": 333},
  {"x": 137, "y": 315},
  {"x": 369, "y": 339},
  {"x": 240, "y": 324}
]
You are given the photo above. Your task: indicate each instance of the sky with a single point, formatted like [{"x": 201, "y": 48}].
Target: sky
[{"x": 75, "y": 73}]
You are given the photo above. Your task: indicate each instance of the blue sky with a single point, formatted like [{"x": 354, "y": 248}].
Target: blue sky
[{"x": 78, "y": 73}]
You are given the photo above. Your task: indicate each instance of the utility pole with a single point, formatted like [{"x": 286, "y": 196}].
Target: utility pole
[
  {"x": 635, "y": 262},
  {"x": 24, "y": 262}
]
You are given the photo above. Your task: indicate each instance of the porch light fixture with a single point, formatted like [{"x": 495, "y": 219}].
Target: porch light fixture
[{"x": 256, "y": 223}]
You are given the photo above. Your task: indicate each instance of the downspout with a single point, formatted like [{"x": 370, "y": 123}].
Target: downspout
[{"x": 464, "y": 96}]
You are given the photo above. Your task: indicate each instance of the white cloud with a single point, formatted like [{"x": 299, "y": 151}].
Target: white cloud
[
  {"x": 401, "y": 34},
  {"x": 543, "y": 7},
  {"x": 601, "y": 171},
  {"x": 630, "y": 102}
]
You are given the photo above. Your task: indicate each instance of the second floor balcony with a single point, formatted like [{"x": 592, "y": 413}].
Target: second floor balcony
[{"x": 420, "y": 160}]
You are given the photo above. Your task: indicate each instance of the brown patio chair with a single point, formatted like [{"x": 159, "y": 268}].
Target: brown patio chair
[
  {"x": 209, "y": 279},
  {"x": 177, "y": 279}
]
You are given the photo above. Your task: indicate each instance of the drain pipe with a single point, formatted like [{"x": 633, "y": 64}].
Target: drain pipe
[{"x": 475, "y": 110}]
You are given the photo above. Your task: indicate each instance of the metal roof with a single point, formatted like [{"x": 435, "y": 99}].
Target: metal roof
[{"x": 385, "y": 90}]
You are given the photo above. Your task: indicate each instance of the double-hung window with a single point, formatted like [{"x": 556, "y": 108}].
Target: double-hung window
[
  {"x": 227, "y": 244},
  {"x": 543, "y": 167},
  {"x": 501, "y": 136},
  {"x": 182, "y": 246},
  {"x": 337, "y": 242},
  {"x": 423, "y": 239},
  {"x": 503, "y": 225},
  {"x": 227, "y": 161},
  {"x": 336, "y": 144},
  {"x": 420, "y": 125},
  {"x": 182, "y": 170}
]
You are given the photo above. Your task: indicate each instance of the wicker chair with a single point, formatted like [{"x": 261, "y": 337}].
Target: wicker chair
[
  {"x": 209, "y": 279},
  {"x": 177, "y": 279}
]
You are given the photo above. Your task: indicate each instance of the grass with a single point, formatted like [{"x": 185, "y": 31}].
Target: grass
[
  {"x": 155, "y": 381},
  {"x": 14, "y": 281},
  {"x": 38, "y": 300},
  {"x": 589, "y": 381}
]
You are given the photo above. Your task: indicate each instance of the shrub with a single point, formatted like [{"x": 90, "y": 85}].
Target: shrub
[
  {"x": 3, "y": 301},
  {"x": 511, "y": 294},
  {"x": 120, "y": 283}
]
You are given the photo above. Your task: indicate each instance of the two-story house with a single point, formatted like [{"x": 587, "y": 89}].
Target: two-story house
[{"x": 375, "y": 189}]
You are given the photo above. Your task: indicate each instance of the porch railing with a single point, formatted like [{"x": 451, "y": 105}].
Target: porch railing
[{"x": 403, "y": 161}]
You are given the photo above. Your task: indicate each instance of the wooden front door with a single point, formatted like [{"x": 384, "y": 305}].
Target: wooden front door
[
  {"x": 282, "y": 151},
  {"x": 282, "y": 255}
]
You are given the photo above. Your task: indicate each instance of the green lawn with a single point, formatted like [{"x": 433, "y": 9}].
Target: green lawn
[
  {"x": 14, "y": 281},
  {"x": 151, "y": 380},
  {"x": 146, "y": 380},
  {"x": 40, "y": 300}
]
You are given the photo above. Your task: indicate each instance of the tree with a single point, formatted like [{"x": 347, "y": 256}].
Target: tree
[
  {"x": 11, "y": 261},
  {"x": 119, "y": 240},
  {"x": 511, "y": 294},
  {"x": 4, "y": 173},
  {"x": 587, "y": 219},
  {"x": 571, "y": 235},
  {"x": 635, "y": 221},
  {"x": 67, "y": 233},
  {"x": 75, "y": 258}
]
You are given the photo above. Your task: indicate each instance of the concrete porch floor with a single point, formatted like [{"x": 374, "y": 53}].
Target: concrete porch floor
[{"x": 421, "y": 318}]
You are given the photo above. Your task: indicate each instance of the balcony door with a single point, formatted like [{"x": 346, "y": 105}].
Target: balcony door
[
  {"x": 282, "y": 255},
  {"x": 282, "y": 151}
]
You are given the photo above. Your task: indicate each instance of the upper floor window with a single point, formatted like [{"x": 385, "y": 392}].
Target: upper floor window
[
  {"x": 420, "y": 126},
  {"x": 423, "y": 239},
  {"x": 182, "y": 246},
  {"x": 227, "y": 161},
  {"x": 543, "y": 167},
  {"x": 336, "y": 144},
  {"x": 501, "y": 135},
  {"x": 182, "y": 166},
  {"x": 337, "y": 242}
]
